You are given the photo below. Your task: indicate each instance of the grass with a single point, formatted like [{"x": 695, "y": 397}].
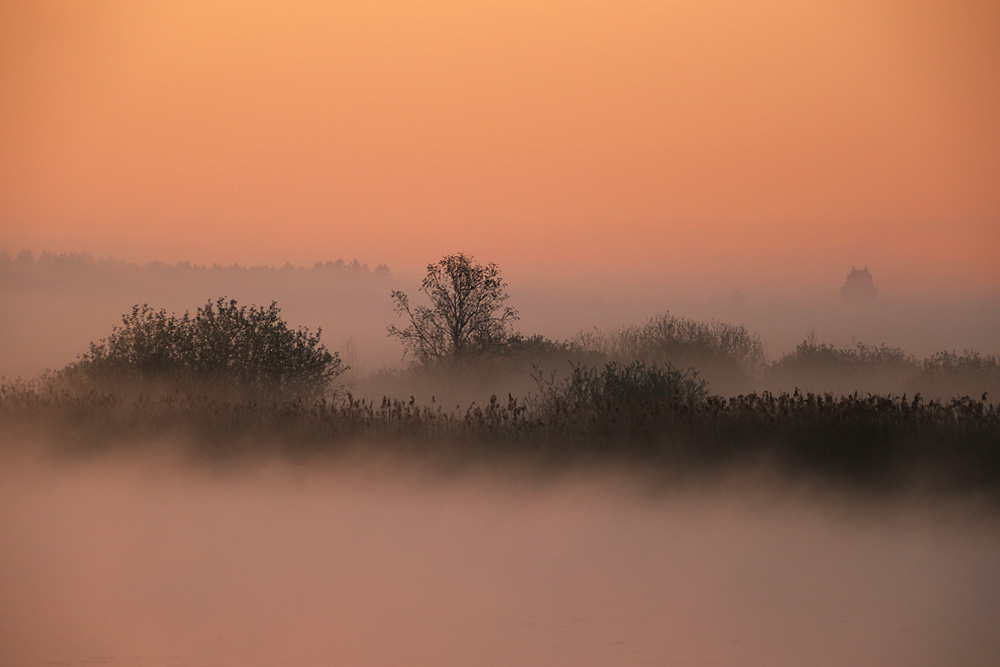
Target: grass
[{"x": 870, "y": 441}]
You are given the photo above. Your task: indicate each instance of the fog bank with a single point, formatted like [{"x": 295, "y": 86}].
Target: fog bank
[
  {"x": 141, "y": 563},
  {"x": 55, "y": 305}
]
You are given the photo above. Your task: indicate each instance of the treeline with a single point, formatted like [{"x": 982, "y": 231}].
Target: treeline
[{"x": 48, "y": 268}]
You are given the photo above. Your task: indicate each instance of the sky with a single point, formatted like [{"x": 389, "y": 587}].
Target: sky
[{"x": 603, "y": 145}]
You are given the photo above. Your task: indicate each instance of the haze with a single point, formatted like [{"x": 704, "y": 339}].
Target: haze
[
  {"x": 139, "y": 562},
  {"x": 727, "y": 161},
  {"x": 584, "y": 147}
]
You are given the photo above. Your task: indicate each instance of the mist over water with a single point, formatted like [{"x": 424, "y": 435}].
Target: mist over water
[{"x": 141, "y": 560}]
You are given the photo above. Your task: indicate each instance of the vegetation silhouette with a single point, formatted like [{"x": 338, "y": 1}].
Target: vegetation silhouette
[
  {"x": 623, "y": 399},
  {"x": 50, "y": 268},
  {"x": 875, "y": 443},
  {"x": 224, "y": 349},
  {"x": 729, "y": 357},
  {"x": 671, "y": 394},
  {"x": 468, "y": 318},
  {"x": 881, "y": 369}
]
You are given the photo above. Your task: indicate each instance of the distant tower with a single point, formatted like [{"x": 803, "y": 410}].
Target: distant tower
[{"x": 859, "y": 286}]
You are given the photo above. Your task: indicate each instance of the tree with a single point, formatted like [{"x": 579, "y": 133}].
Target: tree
[
  {"x": 224, "y": 348},
  {"x": 468, "y": 316}
]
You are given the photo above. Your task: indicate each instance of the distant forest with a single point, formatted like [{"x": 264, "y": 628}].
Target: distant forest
[{"x": 27, "y": 269}]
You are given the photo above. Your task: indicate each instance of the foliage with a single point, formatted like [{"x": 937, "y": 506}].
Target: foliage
[
  {"x": 728, "y": 356},
  {"x": 468, "y": 316},
  {"x": 877, "y": 442},
  {"x": 949, "y": 364},
  {"x": 813, "y": 356},
  {"x": 970, "y": 372},
  {"x": 629, "y": 398},
  {"x": 625, "y": 384},
  {"x": 224, "y": 347},
  {"x": 881, "y": 369}
]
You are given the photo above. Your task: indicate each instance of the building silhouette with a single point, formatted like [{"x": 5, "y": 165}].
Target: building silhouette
[{"x": 859, "y": 286}]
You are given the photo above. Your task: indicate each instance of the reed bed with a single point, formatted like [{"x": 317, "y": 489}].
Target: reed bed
[{"x": 859, "y": 440}]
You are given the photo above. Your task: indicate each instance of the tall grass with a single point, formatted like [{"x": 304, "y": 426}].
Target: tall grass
[{"x": 659, "y": 419}]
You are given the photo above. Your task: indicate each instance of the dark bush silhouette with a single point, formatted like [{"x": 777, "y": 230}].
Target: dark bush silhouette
[
  {"x": 242, "y": 351},
  {"x": 628, "y": 398},
  {"x": 729, "y": 357}
]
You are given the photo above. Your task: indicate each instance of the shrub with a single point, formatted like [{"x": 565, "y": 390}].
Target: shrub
[
  {"x": 867, "y": 368},
  {"x": 631, "y": 398},
  {"x": 968, "y": 373},
  {"x": 728, "y": 356},
  {"x": 244, "y": 351},
  {"x": 634, "y": 383}
]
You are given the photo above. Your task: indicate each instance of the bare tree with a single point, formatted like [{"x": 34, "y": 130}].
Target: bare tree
[{"x": 468, "y": 316}]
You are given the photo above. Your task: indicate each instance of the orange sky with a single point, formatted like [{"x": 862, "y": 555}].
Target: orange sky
[{"x": 765, "y": 143}]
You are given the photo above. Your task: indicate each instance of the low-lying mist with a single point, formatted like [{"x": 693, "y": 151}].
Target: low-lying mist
[
  {"x": 209, "y": 483},
  {"x": 56, "y": 304},
  {"x": 139, "y": 559}
]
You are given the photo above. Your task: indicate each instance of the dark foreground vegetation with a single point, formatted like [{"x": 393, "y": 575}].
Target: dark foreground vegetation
[
  {"x": 674, "y": 395},
  {"x": 649, "y": 418}
]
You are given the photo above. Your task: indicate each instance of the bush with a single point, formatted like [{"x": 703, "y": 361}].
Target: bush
[
  {"x": 632, "y": 398},
  {"x": 969, "y": 373},
  {"x": 224, "y": 348},
  {"x": 728, "y": 356},
  {"x": 883, "y": 369}
]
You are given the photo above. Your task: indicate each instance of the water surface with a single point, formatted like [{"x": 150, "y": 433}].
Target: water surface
[{"x": 136, "y": 563}]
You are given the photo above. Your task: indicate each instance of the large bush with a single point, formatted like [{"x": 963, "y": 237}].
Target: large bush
[
  {"x": 882, "y": 369},
  {"x": 728, "y": 356},
  {"x": 244, "y": 351},
  {"x": 632, "y": 398},
  {"x": 969, "y": 373},
  {"x": 813, "y": 366}
]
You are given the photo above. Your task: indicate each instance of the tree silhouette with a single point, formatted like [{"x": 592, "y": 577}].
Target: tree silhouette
[{"x": 468, "y": 316}]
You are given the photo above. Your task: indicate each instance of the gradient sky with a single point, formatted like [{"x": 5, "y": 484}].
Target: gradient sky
[{"x": 625, "y": 143}]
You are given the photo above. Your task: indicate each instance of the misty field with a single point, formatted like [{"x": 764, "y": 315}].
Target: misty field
[
  {"x": 218, "y": 487},
  {"x": 617, "y": 513},
  {"x": 673, "y": 395}
]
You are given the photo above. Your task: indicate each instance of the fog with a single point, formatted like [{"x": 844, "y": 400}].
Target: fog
[
  {"x": 55, "y": 305},
  {"x": 619, "y": 161},
  {"x": 132, "y": 548},
  {"x": 144, "y": 561}
]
